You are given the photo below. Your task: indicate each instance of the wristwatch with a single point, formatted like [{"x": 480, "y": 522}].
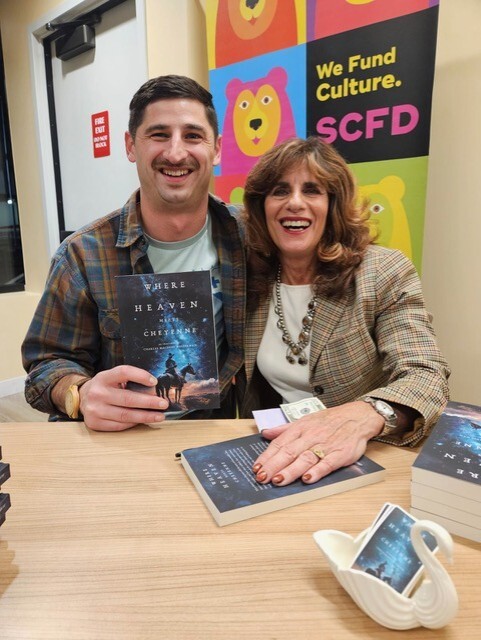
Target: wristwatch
[
  {"x": 385, "y": 410},
  {"x": 72, "y": 399}
]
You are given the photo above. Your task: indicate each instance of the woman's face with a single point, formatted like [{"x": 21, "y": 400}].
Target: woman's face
[{"x": 296, "y": 212}]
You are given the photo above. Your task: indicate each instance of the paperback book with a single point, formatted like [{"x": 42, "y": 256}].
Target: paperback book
[
  {"x": 438, "y": 496},
  {"x": 4, "y": 506},
  {"x": 387, "y": 552},
  {"x": 455, "y": 527},
  {"x": 222, "y": 474},
  {"x": 4, "y": 472},
  {"x": 451, "y": 456},
  {"x": 168, "y": 328},
  {"x": 446, "y": 475}
]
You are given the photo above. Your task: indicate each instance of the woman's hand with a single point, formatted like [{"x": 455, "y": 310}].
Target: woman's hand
[{"x": 340, "y": 434}]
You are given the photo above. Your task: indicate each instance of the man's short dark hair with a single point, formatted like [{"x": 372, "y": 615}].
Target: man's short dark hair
[{"x": 170, "y": 88}]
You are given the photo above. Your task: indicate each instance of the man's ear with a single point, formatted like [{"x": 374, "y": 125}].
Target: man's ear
[
  {"x": 218, "y": 151},
  {"x": 129, "y": 147}
]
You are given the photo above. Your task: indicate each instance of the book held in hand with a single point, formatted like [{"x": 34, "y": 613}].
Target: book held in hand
[
  {"x": 446, "y": 475},
  {"x": 168, "y": 328},
  {"x": 222, "y": 474}
]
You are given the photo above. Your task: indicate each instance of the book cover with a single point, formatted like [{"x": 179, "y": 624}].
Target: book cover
[
  {"x": 453, "y": 526},
  {"x": 168, "y": 328},
  {"x": 222, "y": 474},
  {"x": 4, "y": 472},
  {"x": 388, "y": 553},
  {"x": 451, "y": 456}
]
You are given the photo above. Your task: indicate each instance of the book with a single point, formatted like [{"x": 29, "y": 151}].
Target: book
[
  {"x": 222, "y": 474},
  {"x": 168, "y": 328},
  {"x": 387, "y": 551},
  {"x": 446, "y": 511},
  {"x": 4, "y": 472},
  {"x": 450, "y": 459},
  {"x": 453, "y": 526},
  {"x": 4, "y": 505},
  {"x": 444, "y": 497}
]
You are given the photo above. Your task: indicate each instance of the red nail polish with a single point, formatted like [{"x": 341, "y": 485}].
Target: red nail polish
[
  {"x": 257, "y": 467},
  {"x": 261, "y": 476},
  {"x": 278, "y": 479},
  {"x": 306, "y": 477}
]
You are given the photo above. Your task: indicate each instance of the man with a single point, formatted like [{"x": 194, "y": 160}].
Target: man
[{"x": 73, "y": 352}]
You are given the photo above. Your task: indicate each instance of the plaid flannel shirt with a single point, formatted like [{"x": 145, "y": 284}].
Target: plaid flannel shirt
[{"x": 76, "y": 327}]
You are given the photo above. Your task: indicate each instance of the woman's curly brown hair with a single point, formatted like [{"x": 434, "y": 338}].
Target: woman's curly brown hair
[{"x": 346, "y": 234}]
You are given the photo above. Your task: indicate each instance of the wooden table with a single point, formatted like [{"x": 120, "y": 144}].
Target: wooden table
[{"x": 107, "y": 539}]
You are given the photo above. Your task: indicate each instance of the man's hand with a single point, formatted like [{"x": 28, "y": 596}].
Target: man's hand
[
  {"x": 340, "y": 433},
  {"x": 106, "y": 404}
]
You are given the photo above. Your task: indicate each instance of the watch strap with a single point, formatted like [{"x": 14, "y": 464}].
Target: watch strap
[{"x": 72, "y": 398}]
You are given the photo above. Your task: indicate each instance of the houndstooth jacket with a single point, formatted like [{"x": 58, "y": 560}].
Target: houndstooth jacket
[{"x": 376, "y": 340}]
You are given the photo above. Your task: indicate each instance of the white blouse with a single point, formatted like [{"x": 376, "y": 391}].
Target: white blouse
[{"x": 290, "y": 380}]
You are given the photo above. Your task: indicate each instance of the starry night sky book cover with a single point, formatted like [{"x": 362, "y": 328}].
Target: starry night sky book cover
[
  {"x": 451, "y": 456},
  {"x": 388, "y": 553},
  {"x": 168, "y": 328},
  {"x": 222, "y": 474}
]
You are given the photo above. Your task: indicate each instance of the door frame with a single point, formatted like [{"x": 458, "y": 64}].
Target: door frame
[{"x": 37, "y": 32}]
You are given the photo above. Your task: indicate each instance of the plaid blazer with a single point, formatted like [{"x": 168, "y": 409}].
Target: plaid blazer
[{"x": 375, "y": 340}]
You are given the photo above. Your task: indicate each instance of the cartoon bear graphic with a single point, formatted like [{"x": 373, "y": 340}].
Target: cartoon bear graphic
[
  {"x": 249, "y": 28},
  {"x": 388, "y": 220},
  {"x": 258, "y": 116}
]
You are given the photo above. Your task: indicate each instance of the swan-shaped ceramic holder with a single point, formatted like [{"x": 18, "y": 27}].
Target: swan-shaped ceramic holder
[{"x": 433, "y": 603}]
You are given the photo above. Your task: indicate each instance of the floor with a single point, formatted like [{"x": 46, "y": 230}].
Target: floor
[{"x": 14, "y": 408}]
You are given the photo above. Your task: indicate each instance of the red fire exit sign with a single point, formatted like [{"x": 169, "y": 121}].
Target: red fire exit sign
[{"x": 101, "y": 134}]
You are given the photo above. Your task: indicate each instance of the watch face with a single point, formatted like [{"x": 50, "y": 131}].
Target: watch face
[{"x": 385, "y": 409}]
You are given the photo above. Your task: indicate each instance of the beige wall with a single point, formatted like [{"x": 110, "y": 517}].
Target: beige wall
[
  {"x": 452, "y": 259},
  {"x": 452, "y": 255}
]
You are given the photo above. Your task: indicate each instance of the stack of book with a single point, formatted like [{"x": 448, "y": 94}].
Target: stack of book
[
  {"x": 446, "y": 475},
  {"x": 4, "y": 497}
]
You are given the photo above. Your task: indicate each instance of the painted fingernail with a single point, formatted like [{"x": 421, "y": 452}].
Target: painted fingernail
[
  {"x": 306, "y": 477},
  {"x": 256, "y": 467},
  {"x": 261, "y": 476},
  {"x": 278, "y": 479}
]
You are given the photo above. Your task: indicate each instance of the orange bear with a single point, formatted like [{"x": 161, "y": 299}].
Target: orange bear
[{"x": 249, "y": 28}]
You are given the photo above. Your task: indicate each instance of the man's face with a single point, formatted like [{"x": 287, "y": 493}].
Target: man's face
[{"x": 174, "y": 149}]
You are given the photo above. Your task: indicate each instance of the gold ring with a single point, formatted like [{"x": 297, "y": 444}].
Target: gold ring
[{"x": 316, "y": 449}]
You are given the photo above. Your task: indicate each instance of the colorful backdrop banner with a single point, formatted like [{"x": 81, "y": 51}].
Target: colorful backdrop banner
[{"x": 357, "y": 73}]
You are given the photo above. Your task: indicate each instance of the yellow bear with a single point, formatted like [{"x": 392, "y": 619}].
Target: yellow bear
[
  {"x": 258, "y": 116},
  {"x": 388, "y": 220}
]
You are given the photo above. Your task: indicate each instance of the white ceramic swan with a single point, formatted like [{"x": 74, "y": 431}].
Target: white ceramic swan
[{"x": 434, "y": 602}]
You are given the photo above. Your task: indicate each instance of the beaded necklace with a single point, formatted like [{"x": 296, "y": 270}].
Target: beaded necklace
[{"x": 295, "y": 350}]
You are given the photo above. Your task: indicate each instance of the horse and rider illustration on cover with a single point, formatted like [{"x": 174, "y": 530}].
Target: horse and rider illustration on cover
[{"x": 167, "y": 325}]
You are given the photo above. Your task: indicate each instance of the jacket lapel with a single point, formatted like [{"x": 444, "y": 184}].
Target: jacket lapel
[{"x": 328, "y": 315}]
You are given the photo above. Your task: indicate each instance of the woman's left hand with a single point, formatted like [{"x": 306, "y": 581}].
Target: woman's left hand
[{"x": 339, "y": 434}]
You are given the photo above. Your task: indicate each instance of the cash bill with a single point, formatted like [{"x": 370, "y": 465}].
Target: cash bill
[{"x": 295, "y": 410}]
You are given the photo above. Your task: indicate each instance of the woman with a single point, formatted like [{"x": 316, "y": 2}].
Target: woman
[{"x": 330, "y": 315}]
